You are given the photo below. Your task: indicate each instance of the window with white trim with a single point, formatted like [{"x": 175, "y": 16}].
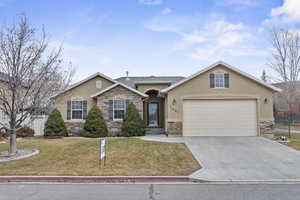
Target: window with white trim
[
  {"x": 77, "y": 109},
  {"x": 119, "y": 107},
  {"x": 219, "y": 80}
]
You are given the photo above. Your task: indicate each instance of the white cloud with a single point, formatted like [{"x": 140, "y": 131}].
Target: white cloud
[
  {"x": 151, "y": 2},
  {"x": 219, "y": 39},
  {"x": 172, "y": 23},
  {"x": 237, "y": 2},
  {"x": 214, "y": 38},
  {"x": 166, "y": 11},
  {"x": 285, "y": 15},
  {"x": 288, "y": 12},
  {"x": 194, "y": 37}
]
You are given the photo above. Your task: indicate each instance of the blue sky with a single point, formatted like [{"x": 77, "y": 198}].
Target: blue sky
[{"x": 158, "y": 37}]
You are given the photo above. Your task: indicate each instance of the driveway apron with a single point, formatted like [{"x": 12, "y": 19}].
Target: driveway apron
[{"x": 243, "y": 159}]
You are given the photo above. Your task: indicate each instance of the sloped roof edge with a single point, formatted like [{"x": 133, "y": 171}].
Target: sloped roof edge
[
  {"x": 229, "y": 67},
  {"x": 115, "y": 85},
  {"x": 85, "y": 80}
]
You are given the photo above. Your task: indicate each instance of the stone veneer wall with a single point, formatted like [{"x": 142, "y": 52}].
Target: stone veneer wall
[
  {"x": 174, "y": 128},
  {"x": 74, "y": 128},
  {"x": 266, "y": 127},
  {"x": 118, "y": 92}
]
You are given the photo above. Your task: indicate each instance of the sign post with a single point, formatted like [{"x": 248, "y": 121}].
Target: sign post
[{"x": 102, "y": 152}]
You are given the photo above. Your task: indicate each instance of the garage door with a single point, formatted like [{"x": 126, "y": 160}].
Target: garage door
[{"x": 219, "y": 118}]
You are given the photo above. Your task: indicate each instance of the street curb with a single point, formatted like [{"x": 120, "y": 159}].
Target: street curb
[{"x": 97, "y": 179}]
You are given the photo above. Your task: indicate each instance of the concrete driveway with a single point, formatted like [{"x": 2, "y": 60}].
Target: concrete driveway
[{"x": 243, "y": 159}]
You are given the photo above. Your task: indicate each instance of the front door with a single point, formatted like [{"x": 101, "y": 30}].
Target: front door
[{"x": 153, "y": 114}]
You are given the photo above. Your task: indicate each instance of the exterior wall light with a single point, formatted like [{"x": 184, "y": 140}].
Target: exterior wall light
[{"x": 174, "y": 102}]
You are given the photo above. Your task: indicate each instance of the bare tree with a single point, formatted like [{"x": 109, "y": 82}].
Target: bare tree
[
  {"x": 33, "y": 73},
  {"x": 286, "y": 63}
]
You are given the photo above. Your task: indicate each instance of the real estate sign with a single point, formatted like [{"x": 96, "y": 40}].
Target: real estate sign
[{"x": 102, "y": 149}]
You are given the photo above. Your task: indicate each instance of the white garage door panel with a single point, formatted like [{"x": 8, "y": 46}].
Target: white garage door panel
[{"x": 219, "y": 118}]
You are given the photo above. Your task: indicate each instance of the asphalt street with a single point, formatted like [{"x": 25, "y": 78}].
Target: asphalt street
[{"x": 159, "y": 191}]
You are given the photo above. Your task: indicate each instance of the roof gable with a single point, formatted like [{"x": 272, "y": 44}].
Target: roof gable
[
  {"x": 226, "y": 66},
  {"x": 132, "y": 81},
  {"x": 84, "y": 81},
  {"x": 115, "y": 85}
]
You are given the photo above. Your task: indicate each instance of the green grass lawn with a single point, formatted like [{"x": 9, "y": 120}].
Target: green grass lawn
[{"x": 79, "y": 157}]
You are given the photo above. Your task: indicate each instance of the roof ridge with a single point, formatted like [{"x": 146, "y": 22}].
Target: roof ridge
[{"x": 151, "y": 76}]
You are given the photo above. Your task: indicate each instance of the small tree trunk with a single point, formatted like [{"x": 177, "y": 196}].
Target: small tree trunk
[
  {"x": 13, "y": 142},
  {"x": 289, "y": 125},
  {"x": 289, "y": 120}
]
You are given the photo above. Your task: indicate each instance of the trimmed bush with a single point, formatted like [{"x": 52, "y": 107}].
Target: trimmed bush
[
  {"x": 95, "y": 125},
  {"x": 55, "y": 125},
  {"x": 25, "y": 131},
  {"x": 132, "y": 125}
]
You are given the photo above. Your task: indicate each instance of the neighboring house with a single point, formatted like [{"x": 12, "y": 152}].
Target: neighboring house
[
  {"x": 219, "y": 100},
  {"x": 36, "y": 122},
  {"x": 281, "y": 108},
  {"x": 3, "y": 117}
]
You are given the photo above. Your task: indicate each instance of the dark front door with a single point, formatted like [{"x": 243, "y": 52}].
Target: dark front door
[{"x": 153, "y": 114}]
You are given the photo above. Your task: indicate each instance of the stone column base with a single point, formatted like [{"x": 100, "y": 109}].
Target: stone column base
[
  {"x": 266, "y": 127},
  {"x": 174, "y": 128}
]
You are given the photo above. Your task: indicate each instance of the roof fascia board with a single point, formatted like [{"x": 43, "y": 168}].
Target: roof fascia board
[
  {"x": 115, "y": 85},
  {"x": 85, "y": 80}
]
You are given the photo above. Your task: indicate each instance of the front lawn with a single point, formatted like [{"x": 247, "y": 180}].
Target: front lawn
[
  {"x": 79, "y": 157},
  {"x": 294, "y": 140}
]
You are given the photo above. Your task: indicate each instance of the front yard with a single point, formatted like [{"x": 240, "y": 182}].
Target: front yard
[
  {"x": 294, "y": 140},
  {"x": 79, "y": 157}
]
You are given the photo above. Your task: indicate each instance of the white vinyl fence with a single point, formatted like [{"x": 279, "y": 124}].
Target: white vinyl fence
[{"x": 37, "y": 124}]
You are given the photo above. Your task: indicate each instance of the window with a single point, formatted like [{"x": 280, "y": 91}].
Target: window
[
  {"x": 77, "y": 110},
  {"x": 219, "y": 80},
  {"x": 98, "y": 84},
  {"x": 119, "y": 107}
]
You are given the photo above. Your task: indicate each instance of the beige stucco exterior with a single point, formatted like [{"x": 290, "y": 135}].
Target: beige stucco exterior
[
  {"x": 239, "y": 87},
  {"x": 171, "y": 101},
  {"x": 81, "y": 92}
]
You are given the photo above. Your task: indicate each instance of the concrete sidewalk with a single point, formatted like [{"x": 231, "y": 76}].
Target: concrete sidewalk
[
  {"x": 283, "y": 130},
  {"x": 162, "y": 138}
]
